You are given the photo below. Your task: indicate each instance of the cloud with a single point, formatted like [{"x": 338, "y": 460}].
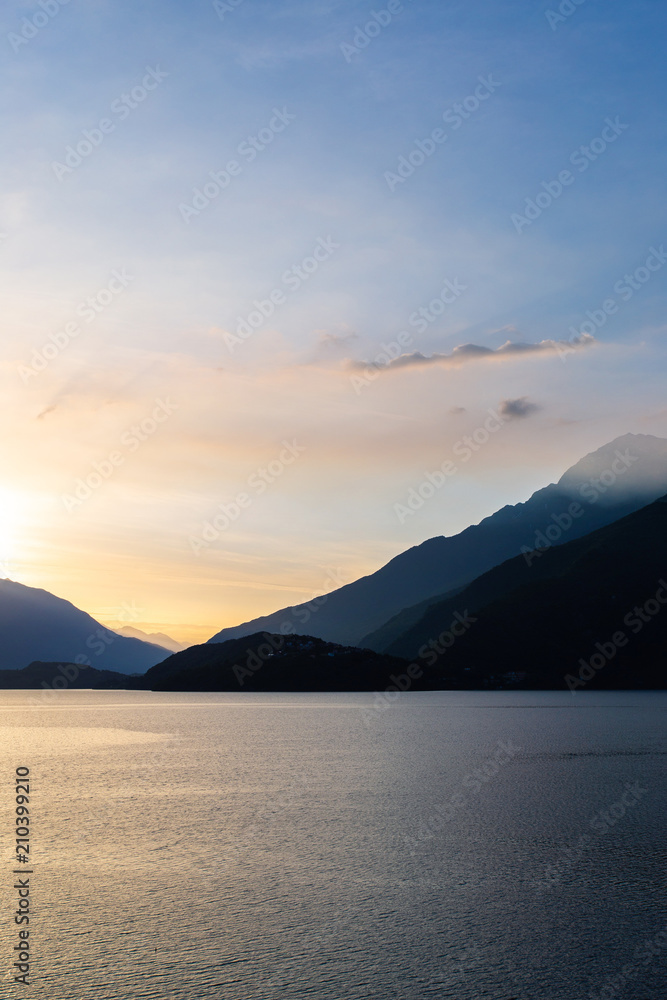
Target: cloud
[
  {"x": 335, "y": 340},
  {"x": 468, "y": 353},
  {"x": 330, "y": 345},
  {"x": 515, "y": 409}
]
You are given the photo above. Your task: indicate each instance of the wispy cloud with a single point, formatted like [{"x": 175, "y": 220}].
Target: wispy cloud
[
  {"x": 336, "y": 340},
  {"x": 467, "y": 353}
]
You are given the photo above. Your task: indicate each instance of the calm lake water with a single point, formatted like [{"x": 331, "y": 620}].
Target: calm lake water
[{"x": 256, "y": 847}]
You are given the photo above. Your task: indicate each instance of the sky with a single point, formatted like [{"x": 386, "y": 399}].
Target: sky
[{"x": 266, "y": 266}]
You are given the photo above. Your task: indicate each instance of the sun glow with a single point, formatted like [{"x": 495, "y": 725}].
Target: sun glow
[{"x": 12, "y": 518}]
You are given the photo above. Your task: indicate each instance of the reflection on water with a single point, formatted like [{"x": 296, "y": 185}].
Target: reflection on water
[{"x": 277, "y": 846}]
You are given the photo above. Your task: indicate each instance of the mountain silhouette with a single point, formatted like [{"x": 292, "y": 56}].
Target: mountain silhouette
[
  {"x": 37, "y": 626},
  {"x": 592, "y": 611},
  {"x": 51, "y": 678},
  {"x": 265, "y": 662},
  {"x": 596, "y": 605},
  {"x": 613, "y": 481}
]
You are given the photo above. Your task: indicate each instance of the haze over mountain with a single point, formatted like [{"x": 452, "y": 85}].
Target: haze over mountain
[
  {"x": 608, "y": 484},
  {"x": 589, "y": 611},
  {"x": 593, "y": 609},
  {"x": 37, "y": 626},
  {"x": 156, "y": 638}
]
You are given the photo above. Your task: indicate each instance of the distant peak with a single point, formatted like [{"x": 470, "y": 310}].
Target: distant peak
[{"x": 631, "y": 461}]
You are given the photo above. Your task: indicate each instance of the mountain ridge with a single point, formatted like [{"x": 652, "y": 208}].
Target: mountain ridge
[
  {"x": 620, "y": 477},
  {"x": 273, "y": 662},
  {"x": 544, "y": 614},
  {"x": 155, "y": 638},
  {"x": 35, "y": 625}
]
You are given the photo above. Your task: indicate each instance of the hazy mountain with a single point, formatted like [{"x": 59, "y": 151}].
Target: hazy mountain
[
  {"x": 592, "y": 611},
  {"x": 608, "y": 484},
  {"x": 264, "y": 662},
  {"x": 35, "y": 625},
  {"x": 156, "y": 638},
  {"x": 597, "y": 604}
]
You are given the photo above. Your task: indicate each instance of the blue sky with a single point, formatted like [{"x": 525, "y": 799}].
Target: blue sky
[{"x": 346, "y": 120}]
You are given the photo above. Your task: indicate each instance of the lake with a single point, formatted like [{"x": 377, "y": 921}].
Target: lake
[{"x": 254, "y": 847}]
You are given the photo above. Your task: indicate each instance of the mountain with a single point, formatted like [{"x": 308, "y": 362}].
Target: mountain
[
  {"x": 613, "y": 481},
  {"x": 156, "y": 638},
  {"x": 53, "y": 677},
  {"x": 593, "y": 610},
  {"x": 265, "y": 662},
  {"x": 36, "y": 625},
  {"x": 383, "y": 637}
]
